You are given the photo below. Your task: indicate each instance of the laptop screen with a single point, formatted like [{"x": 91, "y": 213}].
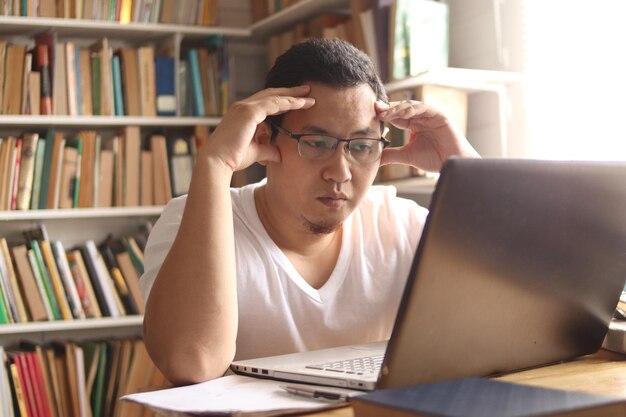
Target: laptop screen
[{"x": 521, "y": 263}]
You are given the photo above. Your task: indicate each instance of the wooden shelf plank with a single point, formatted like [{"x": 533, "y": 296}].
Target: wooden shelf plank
[
  {"x": 71, "y": 325},
  {"x": 18, "y": 25},
  {"x": 470, "y": 80},
  {"x": 105, "y": 121},
  {"x": 304, "y": 9},
  {"x": 80, "y": 213}
]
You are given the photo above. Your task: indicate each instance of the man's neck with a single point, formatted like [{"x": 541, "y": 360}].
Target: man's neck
[
  {"x": 313, "y": 255},
  {"x": 296, "y": 238}
]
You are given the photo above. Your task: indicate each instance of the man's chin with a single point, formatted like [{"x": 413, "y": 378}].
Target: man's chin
[{"x": 322, "y": 228}]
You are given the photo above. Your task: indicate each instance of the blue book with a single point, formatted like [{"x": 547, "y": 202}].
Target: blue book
[
  {"x": 165, "y": 94},
  {"x": 118, "y": 97},
  {"x": 196, "y": 84},
  {"x": 79, "y": 90},
  {"x": 485, "y": 398}
]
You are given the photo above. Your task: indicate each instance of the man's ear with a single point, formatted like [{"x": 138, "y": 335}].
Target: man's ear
[{"x": 263, "y": 136}]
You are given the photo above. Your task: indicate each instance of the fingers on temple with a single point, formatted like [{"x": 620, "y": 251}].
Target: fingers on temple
[{"x": 408, "y": 109}]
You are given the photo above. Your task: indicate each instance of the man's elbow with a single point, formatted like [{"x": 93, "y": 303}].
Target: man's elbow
[{"x": 191, "y": 364}]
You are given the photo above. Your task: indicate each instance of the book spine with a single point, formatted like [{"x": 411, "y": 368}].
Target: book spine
[{"x": 196, "y": 83}]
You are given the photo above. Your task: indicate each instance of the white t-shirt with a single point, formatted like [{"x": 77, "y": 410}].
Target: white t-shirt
[{"x": 279, "y": 312}]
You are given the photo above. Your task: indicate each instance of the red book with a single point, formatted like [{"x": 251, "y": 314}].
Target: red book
[
  {"x": 27, "y": 386},
  {"x": 40, "y": 389},
  {"x": 43, "y": 66}
]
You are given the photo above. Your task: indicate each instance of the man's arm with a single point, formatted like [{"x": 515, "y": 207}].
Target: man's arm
[
  {"x": 434, "y": 138},
  {"x": 190, "y": 323}
]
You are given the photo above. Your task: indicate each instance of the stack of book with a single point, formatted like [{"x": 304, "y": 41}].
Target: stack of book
[
  {"x": 62, "y": 78},
  {"x": 402, "y": 37},
  {"x": 42, "y": 280},
  {"x": 87, "y": 170},
  {"x": 183, "y": 12},
  {"x": 81, "y": 379}
]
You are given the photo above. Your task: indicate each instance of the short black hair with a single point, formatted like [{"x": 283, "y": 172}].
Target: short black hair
[{"x": 332, "y": 62}]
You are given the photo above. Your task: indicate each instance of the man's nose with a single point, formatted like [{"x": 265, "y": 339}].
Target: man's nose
[{"x": 338, "y": 167}]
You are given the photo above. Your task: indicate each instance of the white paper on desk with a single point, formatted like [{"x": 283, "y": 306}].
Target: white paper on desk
[{"x": 230, "y": 395}]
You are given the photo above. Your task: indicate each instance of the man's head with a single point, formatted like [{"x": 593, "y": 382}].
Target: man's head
[
  {"x": 302, "y": 189},
  {"x": 331, "y": 62}
]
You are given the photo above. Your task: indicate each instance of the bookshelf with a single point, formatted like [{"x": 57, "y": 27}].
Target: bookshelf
[
  {"x": 74, "y": 226},
  {"x": 495, "y": 84}
]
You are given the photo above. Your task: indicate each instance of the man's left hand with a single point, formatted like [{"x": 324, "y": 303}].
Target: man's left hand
[{"x": 434, "y": 138}]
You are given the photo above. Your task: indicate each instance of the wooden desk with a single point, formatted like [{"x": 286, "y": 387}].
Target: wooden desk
[{"x": 603, "y": 372}]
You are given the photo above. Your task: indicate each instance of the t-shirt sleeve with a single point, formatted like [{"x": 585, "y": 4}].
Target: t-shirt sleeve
[{"x": 160, "y": 241}]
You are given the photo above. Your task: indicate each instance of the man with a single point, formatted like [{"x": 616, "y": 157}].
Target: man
[{"x": 312, "y": 257}]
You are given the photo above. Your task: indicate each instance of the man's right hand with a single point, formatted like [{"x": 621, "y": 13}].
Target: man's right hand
[{"x": 232, "y": 142}]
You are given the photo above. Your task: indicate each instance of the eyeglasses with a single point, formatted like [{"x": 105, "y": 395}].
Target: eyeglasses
[{"x": 314, "y": 146}]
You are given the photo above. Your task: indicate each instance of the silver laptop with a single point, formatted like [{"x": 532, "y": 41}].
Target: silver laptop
[{"x": 521, "y": 263}]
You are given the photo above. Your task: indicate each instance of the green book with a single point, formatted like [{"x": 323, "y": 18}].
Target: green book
[
  {"x": 39, "y": 154},
  {"x": 98, "y": 386},
  {"x": 45, "y": 170},
  {"x": 4, "y": 316},
  {"x": 43, "y": 272},
  {"x": 40, "y": 285},
  {"x": 76, "y": 143},
  {"x": 96, "y": 85}
]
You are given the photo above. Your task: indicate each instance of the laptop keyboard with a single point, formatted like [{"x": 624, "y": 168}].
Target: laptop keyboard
[{"x": 358, "y": 366}]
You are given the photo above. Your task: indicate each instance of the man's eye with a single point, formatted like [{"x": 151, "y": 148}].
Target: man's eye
[
  {"x": 318, "y": 143},
  {"x": 361, "y": 146}
]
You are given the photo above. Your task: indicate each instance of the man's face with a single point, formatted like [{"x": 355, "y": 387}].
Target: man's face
[{"x": 320, "y": 194}]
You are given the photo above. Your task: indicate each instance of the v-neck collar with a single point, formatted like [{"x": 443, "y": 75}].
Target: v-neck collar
[{"x": 329, "y": 289}]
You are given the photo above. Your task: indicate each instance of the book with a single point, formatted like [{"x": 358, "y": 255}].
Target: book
[
  {"x": 72, "y": 82},
  {"x": 55, "y": 169},
  {"x": 161, "y": 173},
  {"x": 32, "y": 295},
  {"x": 419, "y": 37},
  {"x": 116, "y": 274},
  {"x": 14, "y": 306},
  {"x": 83, "y": 284},
  {"x": 485, "y": 398},
  {"x": 42, "y": 287},
  {"x": 15, "y": 173},
  {"x": 87, "y": 169},
  {"x": 6, "y": 406},
  {"x": 132, "y": 164},
  {"x": 84, "y": 64},
  {"x": 146, "y": 186},
  {"x": 196, "y": 83},
  {"x": 130, "y": 79},
  {"x": 179, "y": 152},
  {"x": 451, "y": 101},
  {"x": 165, "y": 81},
  {"x": 59, "y": 81},
  {"x": 14, "y": 73},
  {"x": 68, "y": 179},
  {"x": 147, "y": 80},
  {"x": 118, "y": 96},
  {"x": 26, "y": 69},
  {"x": 44, "y": 64},
  {"x": 27, "y": 170},
  {"x": 3, "y": 54},
  {"x": 34, "y": 93},
  {"x": 37, "y": 174},
  {"x": 55, "y": 278},
  {"x": 67, "y": 279},
  {"x": 6, "y": 266}
]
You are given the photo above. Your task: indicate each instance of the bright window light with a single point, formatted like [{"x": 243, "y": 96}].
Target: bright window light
[{"x": 576, "y": 79}]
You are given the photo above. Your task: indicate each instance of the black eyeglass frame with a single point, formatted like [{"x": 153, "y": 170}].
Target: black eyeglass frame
[{"x": 297, "y": 137}]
